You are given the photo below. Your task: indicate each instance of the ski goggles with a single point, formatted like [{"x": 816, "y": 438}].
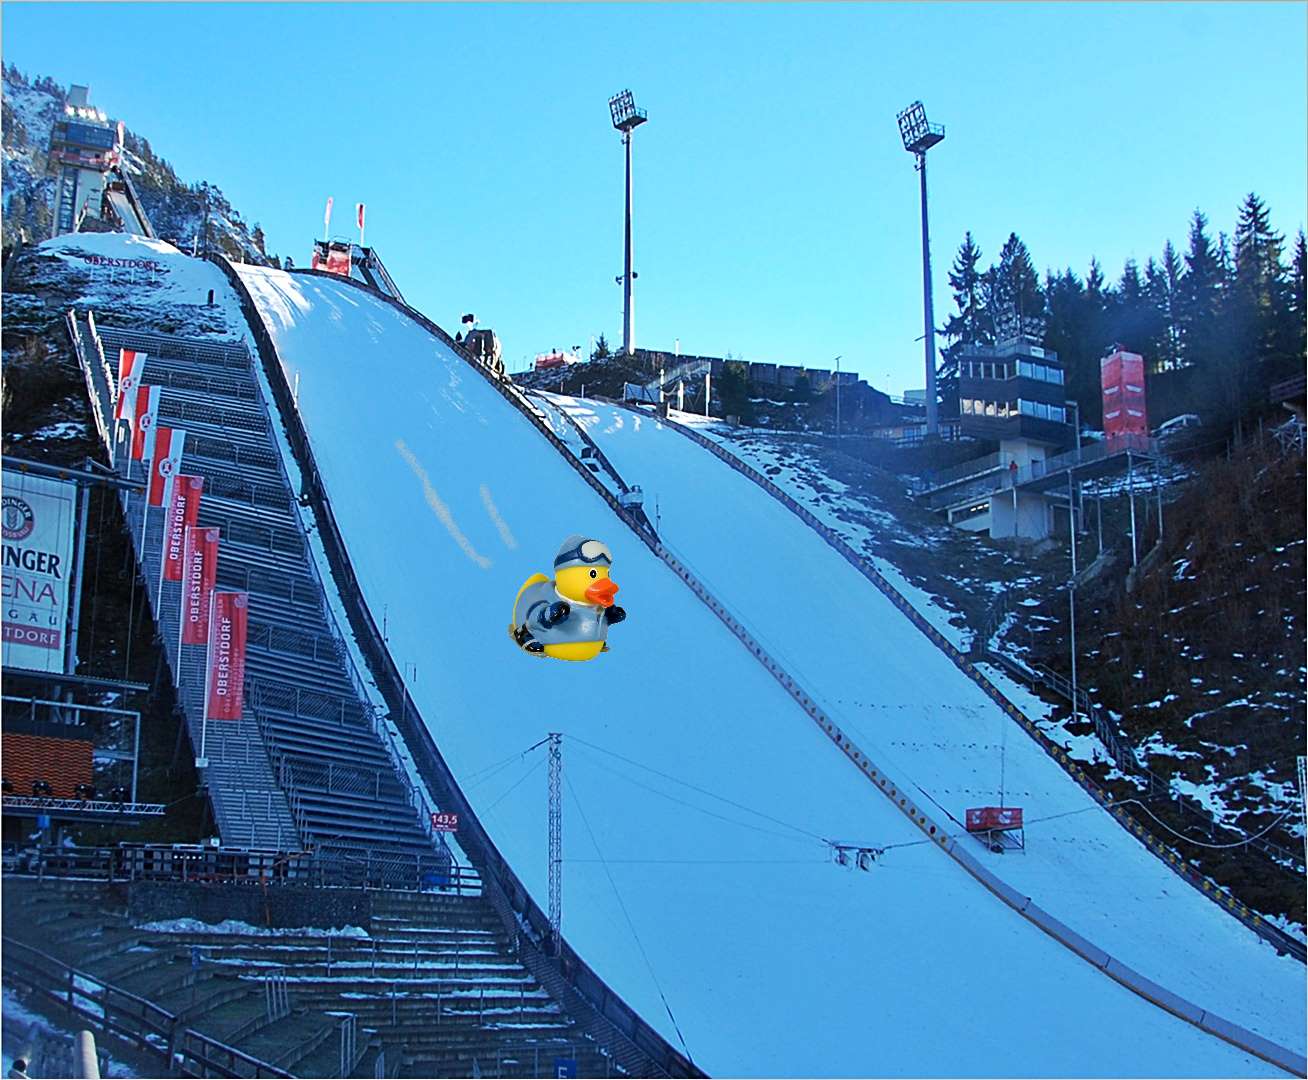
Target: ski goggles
[{"x": 586, "y": 553}]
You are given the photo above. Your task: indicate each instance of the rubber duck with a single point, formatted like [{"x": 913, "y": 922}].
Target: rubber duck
[{"x": 568, "y": 617}]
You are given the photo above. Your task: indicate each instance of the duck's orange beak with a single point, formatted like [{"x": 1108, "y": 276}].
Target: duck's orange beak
[{"x": 601, "y": 592}]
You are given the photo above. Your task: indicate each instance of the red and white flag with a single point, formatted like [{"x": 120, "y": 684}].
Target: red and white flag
[
  {"x": 228, "y": 620},
  {"x": 199, "y": 573},
  {"x": 360, "y": 210},
  {"x": 183, "y": 511},
  {"x": 131, "y": 365},
  {"x": 147, "y": 415},
  {"x": 165, "y": 463}
]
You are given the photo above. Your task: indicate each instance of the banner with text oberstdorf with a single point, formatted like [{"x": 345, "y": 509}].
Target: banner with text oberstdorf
[
  {"x": 199, "y": 572},
  {"x": 226, "y": 682},
  {"x": 38, "y": 562},
  {"x": 183, "y": 511}
]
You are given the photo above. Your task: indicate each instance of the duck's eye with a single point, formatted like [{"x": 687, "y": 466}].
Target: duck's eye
[{"x": 593, "y": 574}]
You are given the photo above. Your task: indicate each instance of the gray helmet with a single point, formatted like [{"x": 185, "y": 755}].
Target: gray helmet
[{"x": 578, "y": 551}]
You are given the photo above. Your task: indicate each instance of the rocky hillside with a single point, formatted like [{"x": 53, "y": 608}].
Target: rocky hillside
[{"x": 178, "y": 211}]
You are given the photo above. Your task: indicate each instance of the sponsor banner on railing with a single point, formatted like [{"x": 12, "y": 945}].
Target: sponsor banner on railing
[
  {"x": 131, "y": 366},
  {"x": 228, "y": 621},
  {"x": 183, "y": 512},
  {"x": 165, "y": 462},
  {"x": 147, "y": 415},
  {"x": 199, "y": 572},
  {"x": 38, "y": 555}
]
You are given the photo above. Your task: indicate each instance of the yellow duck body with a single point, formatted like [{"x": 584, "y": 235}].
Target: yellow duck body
[{"x": 570, "y": 584}]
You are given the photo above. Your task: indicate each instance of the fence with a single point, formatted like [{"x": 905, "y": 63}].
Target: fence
[
  {"x": 1126, "y": 759},
  {"x": 147, "y": 1027}
]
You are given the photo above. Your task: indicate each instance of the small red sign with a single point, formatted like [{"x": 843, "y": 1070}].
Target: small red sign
[
  {"x": 445, "y": 822},
  {"x": 983, "y": 818}
]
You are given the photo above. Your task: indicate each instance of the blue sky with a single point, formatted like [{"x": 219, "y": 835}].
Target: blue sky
[{"x": 776, "y": 212}]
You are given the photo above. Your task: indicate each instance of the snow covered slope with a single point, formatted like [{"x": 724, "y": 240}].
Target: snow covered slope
[
  {"x": 914, "y": 711},
  {"x": 696, "y": 794}
]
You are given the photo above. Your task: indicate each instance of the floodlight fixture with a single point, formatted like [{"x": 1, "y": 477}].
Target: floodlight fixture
[
  {"x": 626, "y": 118},
  {"x": 918, "y": 135},
  {"x": 625, "y": 115}
]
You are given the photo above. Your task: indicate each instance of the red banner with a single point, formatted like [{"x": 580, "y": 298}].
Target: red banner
[
  {"x": 226, "y": 682},
  {"x": 183, "y": 512},
  {"x": 147, "y": 415},
  {"x": 131, "y": 365},
  {"x": 360, "y": 215},
  {"x": 165, "y": 464},
  {"x": 199, "y": 572}
]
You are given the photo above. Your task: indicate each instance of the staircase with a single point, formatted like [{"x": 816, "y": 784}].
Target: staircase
[
  {"x": 67, "y": 205},
  {"x": 309, "y": 761}
]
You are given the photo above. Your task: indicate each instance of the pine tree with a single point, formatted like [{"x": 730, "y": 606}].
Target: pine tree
[
  {"x": 1155, "y": 315},
  {"x": 1127, "y": 318},
  {"x": 1199, "y": 298},
  {"x": 1298, "y": 307},
  {"x": 601, "y": 350},
  {"x": 1015, "y": 301},
  {"x": 967, "y": 324},
  {"x": 1264, "y": 338},
  {"x": 733, "y": 391},
  {"x": 1071, "y": 330}
]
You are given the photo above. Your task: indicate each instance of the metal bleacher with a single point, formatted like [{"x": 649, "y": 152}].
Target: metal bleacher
[{"x": 312, "y": 762}]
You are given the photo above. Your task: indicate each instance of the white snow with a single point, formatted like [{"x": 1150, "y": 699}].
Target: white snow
[
  {"x": 235, "y": 926},
  {"x": 17, "y": 1013},
  {"x": 762, "y": 947},
  {"x": 913, "y": 710}
]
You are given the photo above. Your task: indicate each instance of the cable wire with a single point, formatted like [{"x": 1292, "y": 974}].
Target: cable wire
[
  {"x": 702, "y": 791},
  {"x": 699, "y": 809},
  {"x": 627, "y": 915},
  {"x": 512, "y": 787}
]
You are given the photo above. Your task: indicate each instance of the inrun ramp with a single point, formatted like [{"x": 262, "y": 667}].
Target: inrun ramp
[{"x": 773, "y": 960}]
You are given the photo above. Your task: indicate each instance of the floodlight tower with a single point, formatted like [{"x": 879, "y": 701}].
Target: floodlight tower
[
  {"x": 626, "y": 118},
  {"x": 919, "y": 137}
]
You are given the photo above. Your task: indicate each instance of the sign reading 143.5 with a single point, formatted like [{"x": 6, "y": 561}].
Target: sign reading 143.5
[{"x": 445, "y": 822}]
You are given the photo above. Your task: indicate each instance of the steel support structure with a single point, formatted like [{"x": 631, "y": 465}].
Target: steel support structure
[{"x": 556, "y": 841}]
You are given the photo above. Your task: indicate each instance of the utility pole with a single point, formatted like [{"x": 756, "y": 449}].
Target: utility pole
[
  {"x": 626, "y": 118},
  {"x": 1071, "y": 586},
  {"x": 919, "y": 136},
  {"x": 838, "y": 397},
  {"x": 556, "y": 841}
]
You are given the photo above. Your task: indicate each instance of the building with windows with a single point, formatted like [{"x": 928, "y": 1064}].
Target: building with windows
[{"x": 1014, "y": 394}]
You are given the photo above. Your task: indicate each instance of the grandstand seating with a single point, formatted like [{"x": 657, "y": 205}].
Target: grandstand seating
[{"x": 307, "y": 763}]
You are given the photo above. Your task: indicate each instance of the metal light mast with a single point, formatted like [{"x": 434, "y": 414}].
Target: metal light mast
[
  {"x": 626, "y": 118},
  {"x": 556, "y": 841},
  {"x": 919, "y": 136}
]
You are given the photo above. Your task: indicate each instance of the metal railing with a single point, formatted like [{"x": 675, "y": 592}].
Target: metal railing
[{"x": 151, "y": 1029}]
